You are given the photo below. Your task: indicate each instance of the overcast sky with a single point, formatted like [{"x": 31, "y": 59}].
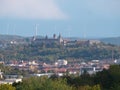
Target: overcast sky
[{"x": 71, "y": 18}]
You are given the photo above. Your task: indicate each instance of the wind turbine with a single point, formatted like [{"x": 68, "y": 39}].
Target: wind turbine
[
  {"x": 8, "y": 26},
  {"x": 36, "y": 31},
  {"x": 14, "y": 29}
]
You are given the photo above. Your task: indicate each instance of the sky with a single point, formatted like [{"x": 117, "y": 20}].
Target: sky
[{"x": 70, "y": 18}]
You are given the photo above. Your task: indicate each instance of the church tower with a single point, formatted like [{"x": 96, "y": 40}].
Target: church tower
[
  {"x": 60, "y": 39},
  {"x": 54, "y": 36}
]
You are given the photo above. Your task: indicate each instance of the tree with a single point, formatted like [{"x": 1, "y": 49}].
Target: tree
[
  {"x": 87, "y": 87},
  {"x": 6, "y": 87},
  {"x": 103, "y": 78},
  {"x": 109, "y": 79},
  {"x": 43, "y": 83}
]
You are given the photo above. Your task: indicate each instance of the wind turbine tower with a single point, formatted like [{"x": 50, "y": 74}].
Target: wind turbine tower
[
  {"x": 8, "y": 26},
  {"x": 36, "y": 31}
]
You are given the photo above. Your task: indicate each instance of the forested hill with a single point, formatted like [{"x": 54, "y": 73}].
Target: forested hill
[
  {"x": 109, "y": 40},
  {"x": 54, "y": 52},
  {"x": 114, "y": 40},
  {"x": 20, "y": 39},
  {"x": 10, "y": 37}
]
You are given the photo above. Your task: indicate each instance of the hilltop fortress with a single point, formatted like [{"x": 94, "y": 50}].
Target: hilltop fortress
[
  {"x": 46, "y": 40},
  {"x": 59, "y": 40}
]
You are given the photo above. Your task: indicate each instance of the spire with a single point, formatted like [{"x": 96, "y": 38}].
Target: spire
[
  {"x": 59, "y": 36},
  {"x": 54, "y": 36},
  {"x": 46, "y": 37}
]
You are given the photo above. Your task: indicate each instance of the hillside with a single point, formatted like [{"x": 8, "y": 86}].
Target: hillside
[
  {"x": 15, "y": 37},
  {"x": 10, "y": 37},
  {"x": 112, "y": 40}
]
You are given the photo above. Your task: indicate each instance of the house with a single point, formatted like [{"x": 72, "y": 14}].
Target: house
[
  {"x": 10, "y": 81},
  {"x": 90, "y": 70}
]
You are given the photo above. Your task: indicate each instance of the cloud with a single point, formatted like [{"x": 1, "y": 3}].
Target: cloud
[{"x": 31, "y": 9}]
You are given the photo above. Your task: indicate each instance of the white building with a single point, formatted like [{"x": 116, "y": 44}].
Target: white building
[
  {"x": 10, "y": 81},
  {"x": 61, "y": 62},
  {"x": 90, "y": 70}
]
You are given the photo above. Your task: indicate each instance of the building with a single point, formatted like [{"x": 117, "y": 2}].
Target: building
[
  {"x": 46, "y": 40},
  {"x": 94, "y": 42},
  {"x": 61, "y": 62},
  {"x": 1, "y": 74},
  {"x": 10, "y": 81},
  {"x": 90, "y": 70}
]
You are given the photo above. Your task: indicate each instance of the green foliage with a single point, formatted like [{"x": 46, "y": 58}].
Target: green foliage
[
  {"x": 6, "y": 87},
  {"x": 42, "y": 83},
  {"x": 109, "y": 79},
  {"x": 5, "y": 69},
  {"x": 103, "y": 78},
  {"x": 95, "y": 87},
  {"x": 54, "y": 51},
  {"x": 78, "y": 81}
]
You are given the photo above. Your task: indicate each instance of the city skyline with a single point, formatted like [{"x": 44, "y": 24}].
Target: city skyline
[{"x": 79, "y": 18}]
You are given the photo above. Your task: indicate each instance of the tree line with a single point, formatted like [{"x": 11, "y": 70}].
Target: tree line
[{"x": 54, "y": 51}]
